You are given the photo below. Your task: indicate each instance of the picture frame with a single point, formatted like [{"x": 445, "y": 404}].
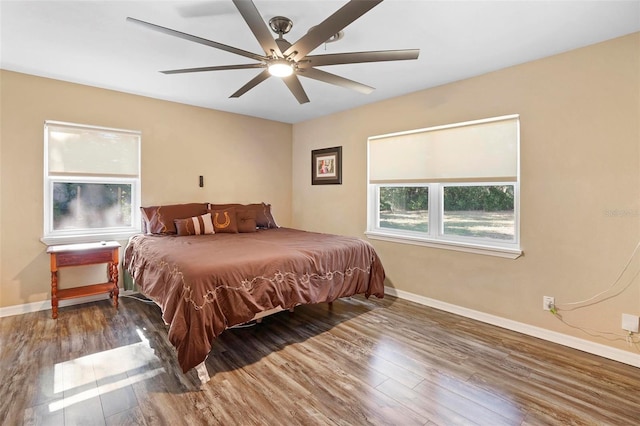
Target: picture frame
[{"x": 326, "y": 166}]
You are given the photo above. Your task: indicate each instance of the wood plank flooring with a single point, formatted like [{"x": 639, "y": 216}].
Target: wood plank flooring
[{"x": 380, "y": 362}]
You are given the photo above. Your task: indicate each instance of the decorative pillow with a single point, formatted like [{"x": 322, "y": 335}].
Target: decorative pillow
[
  {"x": 198, "y": 225},
  {"x": 160, "y": 219},
  {"x": 246, "y": 220},
  {"x": 224, "y": 220},
  {"x": 267, "y": 217},
  {"x": 264, "y": 218}
]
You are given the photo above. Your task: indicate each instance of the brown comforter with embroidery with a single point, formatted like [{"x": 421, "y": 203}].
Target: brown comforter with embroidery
[{"x": 207, "y": 283}]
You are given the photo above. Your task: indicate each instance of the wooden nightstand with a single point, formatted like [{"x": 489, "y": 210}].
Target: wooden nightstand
[{"x": 84, "y": 254}]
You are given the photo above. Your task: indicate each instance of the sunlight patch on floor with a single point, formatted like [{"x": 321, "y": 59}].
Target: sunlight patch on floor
[{"x": 77, "y": 380}]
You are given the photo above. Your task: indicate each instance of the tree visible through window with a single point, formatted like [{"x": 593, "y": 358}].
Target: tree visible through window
[
  {"x": 479, "y": 211},
  {"x": 404, "y": 207},
  {"x": 91, "y": 205}
]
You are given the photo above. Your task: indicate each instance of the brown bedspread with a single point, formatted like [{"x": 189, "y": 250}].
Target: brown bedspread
[{"x": 207, "y": 283}]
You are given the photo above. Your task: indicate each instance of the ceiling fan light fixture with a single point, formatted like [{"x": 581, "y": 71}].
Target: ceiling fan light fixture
[{"x": 280, "y": 68}]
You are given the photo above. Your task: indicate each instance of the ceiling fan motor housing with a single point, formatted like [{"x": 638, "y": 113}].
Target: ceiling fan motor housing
[{"x": 280, "y": 25}]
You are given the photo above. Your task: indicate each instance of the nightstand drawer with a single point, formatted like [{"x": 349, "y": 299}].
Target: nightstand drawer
[{"x": 84, "y": 258}]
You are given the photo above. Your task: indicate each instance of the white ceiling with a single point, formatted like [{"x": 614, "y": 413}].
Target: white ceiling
[{"x": 89, "y": 42}]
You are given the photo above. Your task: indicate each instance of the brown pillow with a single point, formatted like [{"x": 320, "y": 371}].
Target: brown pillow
[
  {"x": 160, "y": 219},
  {"x": 224, "y": 220},
  {"x": 198, "y": 225},
  {"x": 264, "y": 218},
  {"x": 246, "y": 220}
]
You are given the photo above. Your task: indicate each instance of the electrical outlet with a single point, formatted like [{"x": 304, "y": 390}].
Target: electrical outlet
[
  {"x": 548, "y": 302},
  {"x": 630, "y": 322}
]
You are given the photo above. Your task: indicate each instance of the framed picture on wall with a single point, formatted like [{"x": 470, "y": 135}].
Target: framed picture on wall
[{"x": 326, "y": 166}]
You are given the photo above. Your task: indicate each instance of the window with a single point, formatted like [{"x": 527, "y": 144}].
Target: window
[
  {"x": 454, "y": 186},
  {"x": 92, "y": 183}
]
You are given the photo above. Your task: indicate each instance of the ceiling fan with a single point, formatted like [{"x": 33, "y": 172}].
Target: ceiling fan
[{"x": 288, "y": 61}]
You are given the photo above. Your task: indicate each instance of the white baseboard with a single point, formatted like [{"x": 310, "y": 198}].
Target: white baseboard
[
  {"x": 46, "y": 304},
  {"x": 530, "y": 330}
]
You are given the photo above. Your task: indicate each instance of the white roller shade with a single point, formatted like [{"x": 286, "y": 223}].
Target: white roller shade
[
  {"x": 481, "y": 151},
  {"x": 92, "y": 151}
]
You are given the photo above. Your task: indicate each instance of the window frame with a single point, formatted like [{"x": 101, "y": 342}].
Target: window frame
[
  {"x": 52, "y": 236},
  {"x": 435, "y": 236}
]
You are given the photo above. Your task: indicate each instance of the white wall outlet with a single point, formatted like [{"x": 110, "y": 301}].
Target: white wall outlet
[
  {"x": 548, "y": 302},
  {"x": 630, "y": 322}
]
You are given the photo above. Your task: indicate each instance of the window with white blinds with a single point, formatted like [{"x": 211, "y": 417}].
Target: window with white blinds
[
  {"x": 456, "y": 185},
  {"x": 92, "y": 182}
]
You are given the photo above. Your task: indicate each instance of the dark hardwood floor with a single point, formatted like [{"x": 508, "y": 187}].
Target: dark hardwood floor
[{"x": 362, "y": 362}]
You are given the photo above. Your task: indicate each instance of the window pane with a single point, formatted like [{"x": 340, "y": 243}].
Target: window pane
[
  {"x": 91, "y": 205},
  {"x": 404, "y": 207},
  {"x": 480, "y": 211}
]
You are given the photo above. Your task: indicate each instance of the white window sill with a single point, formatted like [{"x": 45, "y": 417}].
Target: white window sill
[
  {"x": 506, "y": 252},
  {"x": 89, "y": 238}
]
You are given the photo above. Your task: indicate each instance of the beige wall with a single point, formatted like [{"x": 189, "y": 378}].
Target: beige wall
[
  {"x": 179, "y": 143},
  {"x": 580, "y": 161},
  {"x": 580, "y": 115}
]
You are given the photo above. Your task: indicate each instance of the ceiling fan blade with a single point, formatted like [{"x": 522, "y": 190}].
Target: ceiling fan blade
[
  {"x": 258, "y": 27},
  {"x": 359, "y": 57},
  {"x": 293, "y": 83},
  {"x": 196, "y": 39},
  {"x": 216, "y": 68},
  {"x": 251, "y": 84},
  {"x": 336, "y": 79},
  {"x": 329, "y": 27}
]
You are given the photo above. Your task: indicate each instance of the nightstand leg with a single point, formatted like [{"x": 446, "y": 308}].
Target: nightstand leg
[
  {"x": 113, "y": 277},
  {"x": 54, "y": 294}
]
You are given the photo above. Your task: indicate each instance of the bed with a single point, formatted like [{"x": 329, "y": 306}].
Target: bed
[{"x": 208, "y": 282}]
